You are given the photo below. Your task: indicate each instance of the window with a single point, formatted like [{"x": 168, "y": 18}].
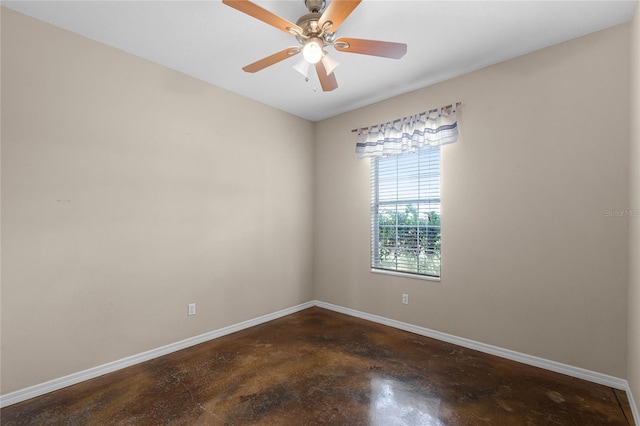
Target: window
[
  {"x": 405, "y": 212},
  {"x": 405, "y": 189}
]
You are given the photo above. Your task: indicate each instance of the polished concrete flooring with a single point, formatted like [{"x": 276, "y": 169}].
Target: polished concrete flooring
[{"x": 318, "y": 367}]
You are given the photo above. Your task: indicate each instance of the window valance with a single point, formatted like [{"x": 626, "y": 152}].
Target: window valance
[{"x": 434, "y": 128}]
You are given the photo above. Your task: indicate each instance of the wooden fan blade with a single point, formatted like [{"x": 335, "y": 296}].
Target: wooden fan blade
[
  {"x": 263, "y": 15},
  {"x": 337, "y": 12},
  {"x": 273, "y": 59},
  {"x": 328, "y": 82},
  {"x": 385, "y": 49}
]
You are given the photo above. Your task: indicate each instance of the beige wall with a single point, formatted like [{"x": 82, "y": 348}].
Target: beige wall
[
  {"x": 530, "y": 260},
  {"x": 130, "y": 190},
  {"x": 633, "y": 369}
]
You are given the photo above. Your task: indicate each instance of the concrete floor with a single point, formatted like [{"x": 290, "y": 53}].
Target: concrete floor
[{"x": 320, "y": 367}]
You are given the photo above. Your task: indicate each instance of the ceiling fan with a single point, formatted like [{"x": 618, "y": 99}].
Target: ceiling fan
[{"x": 315, "y": 31}]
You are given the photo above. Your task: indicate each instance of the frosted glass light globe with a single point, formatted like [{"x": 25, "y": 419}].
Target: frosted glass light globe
[{"x": 312, "y": 50}]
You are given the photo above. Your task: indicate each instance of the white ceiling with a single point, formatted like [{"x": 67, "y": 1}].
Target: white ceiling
[{"x": 212, "y": 42}]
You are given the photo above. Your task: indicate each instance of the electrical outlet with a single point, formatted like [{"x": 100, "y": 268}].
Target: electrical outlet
[
  {"x": 405, "y": 299},
  {"x": 192, "y": 308}
]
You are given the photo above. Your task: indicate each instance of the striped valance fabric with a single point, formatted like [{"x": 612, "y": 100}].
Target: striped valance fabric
[{"x": 434, "y": 128}]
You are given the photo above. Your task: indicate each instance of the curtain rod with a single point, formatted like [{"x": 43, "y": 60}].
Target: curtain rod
[{"x": 446, "y": 106}]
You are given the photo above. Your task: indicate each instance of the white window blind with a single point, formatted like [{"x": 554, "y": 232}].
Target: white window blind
[{"x": 405, "y": 212}]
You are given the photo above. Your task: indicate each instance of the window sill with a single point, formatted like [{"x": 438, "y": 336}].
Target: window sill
[{"x": 406, "y": 275}]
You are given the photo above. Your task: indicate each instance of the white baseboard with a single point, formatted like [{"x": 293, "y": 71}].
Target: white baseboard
[
  {"x": 52, "y": 385},
  {"x": 634, "y": 407},
  {"x": 72, "y": 379},
  {"x": 569, "y": 370}
]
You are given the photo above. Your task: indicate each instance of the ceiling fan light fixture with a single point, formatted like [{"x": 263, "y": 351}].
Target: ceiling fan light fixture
[
  {"x": 312, "y": 50},
  {"x": 302, "y": 67},
  {"x": 329, "y": 63}
]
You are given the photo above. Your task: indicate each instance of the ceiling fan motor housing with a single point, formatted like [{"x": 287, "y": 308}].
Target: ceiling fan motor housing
[
  {"x": 309, "y": 23},
  {"x": 310, "y": 28}
]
